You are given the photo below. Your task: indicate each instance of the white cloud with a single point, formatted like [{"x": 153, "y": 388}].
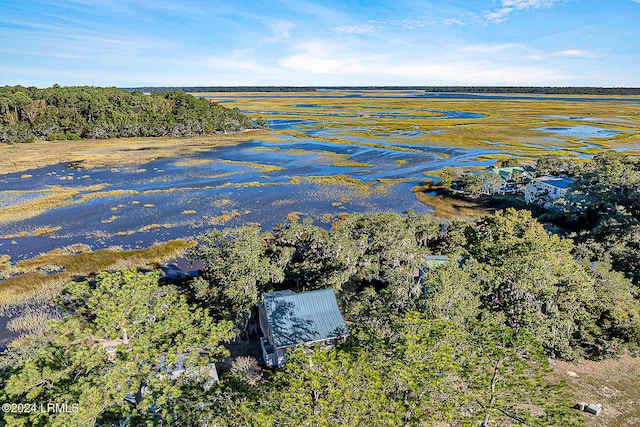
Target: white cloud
[
  {"x": 501, "y": 13},
  {"x": 453, "y": 21},
  {"x": 573, "y": 53},
  {"x": 489, "y": 48},
  {"x": 316, "y": 59},
  {"x": 355, "y": 29},
  {"x": 535, "y": 57},
  {"x": 280, "y": 30},
  {"x": 406, "y": 24}
]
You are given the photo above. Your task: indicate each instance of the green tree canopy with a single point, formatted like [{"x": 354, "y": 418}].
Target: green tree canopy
[{"x": 149, "y": 330}]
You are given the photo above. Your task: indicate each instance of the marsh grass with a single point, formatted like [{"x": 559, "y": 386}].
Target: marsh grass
[
  {"x": 109, "y": 220},
  {"x": 260, "y": 167},
  {"x": 175, "y": 190},
  {"x": 44, "y": 231},
  {"x": 448, "y": 204},
  {"x": 185, "y": 163},
  {"x": 223, "y": 218},
  {"x": 512, "y": 124},
  {"x": 102, "y": 194},
  {"x": 246, "y": 184},
  {"x": 117, "y": 152},
  {"x": 351, "y": 163},
  {"x": 447, "y": 207},
  {"x": 31, "y": 279},
  {"x": 32, "y": 319},
  {"x": 51, "y": 198}
]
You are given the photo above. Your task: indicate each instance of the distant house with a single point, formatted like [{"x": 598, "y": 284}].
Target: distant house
[
  {"x": 430, "y": 262},
  {"x": 506, "y": 179},
  {"x": 545, "y": 189},
  {"x": 174, "y": 371},
  {"x": 289, "y": 319}
]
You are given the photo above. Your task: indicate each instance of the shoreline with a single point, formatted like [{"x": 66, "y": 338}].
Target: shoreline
[{"x": 93, "y": 153}]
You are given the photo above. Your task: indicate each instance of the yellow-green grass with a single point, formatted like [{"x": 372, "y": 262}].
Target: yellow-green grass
[
  {"x": 150, "y": 227},
  {"x": 52, "y": 198},
  {"x": 175, "y": 190},
  {"x": 223, "y": 218},
  {"x": 192, "y": 162},
  {"x": 112, "y": 152},
  {"x": 351, "y": 164},
  {"x": 29, "y": 322},
  {"x": 246, "y": 184},
  {"x": 380, "y": 186},
  {"x": 511, "y": 124},
  {"x": 111, "y": 193},
  {"x": 28, "y": 286},
  {"x": 293, "y": 216},
  {"x": 109, "y": 220},
  {"x": 447, "y": 207},
  {"x": 263, "y": 168},
  {"x": 221, "y": 202},
  {"x": 29, "y": 281}
]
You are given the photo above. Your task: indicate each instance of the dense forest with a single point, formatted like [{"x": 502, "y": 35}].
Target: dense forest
[
  {"x": 601, "y": 213},
  {"x": 28, "y": 114},
  {"x": 535, "y": 90},
  {"x": 468, "y": 346}
]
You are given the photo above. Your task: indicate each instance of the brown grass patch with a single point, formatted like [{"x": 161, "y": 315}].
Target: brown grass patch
[
  {"x": 45, "y": 231},
  {"x": 293, "y": 216},
  {"x": 224, "y": 218},
  {"x": 109, "y": 220},
  {"x": 612, "y": 383},
  {"x": 31, "y": 282},
  {"x": 53, "y": 198},
  {"x": 444, "y": 206},
  {"x": 263, "y": 168},
  {"x": 92, "y": 153}
]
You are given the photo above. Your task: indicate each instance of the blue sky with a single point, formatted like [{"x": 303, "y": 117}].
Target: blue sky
[{"x": 308, "y": 42}]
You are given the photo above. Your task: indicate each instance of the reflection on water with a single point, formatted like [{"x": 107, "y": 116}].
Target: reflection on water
[
  {"x": 581, "y": 131},
  {"x": 258, "y": 181}
]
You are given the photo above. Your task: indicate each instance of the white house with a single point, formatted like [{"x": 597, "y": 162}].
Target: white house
[
  {"x": 289, "y": 319},
  {"x": 505, "y": 179},
  {"x": 546, "y": 188}
]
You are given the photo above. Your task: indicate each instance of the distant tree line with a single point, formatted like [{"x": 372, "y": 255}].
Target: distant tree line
[
  {"x": 540, "y": 90},
  {"x": 28, "y": 114},
  {"x": 536, "y": 90}
]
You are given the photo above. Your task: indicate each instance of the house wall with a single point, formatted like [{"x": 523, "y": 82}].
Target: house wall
[
  {"x": 537, "y": 188},
  {"x": 264, "y": 323}
]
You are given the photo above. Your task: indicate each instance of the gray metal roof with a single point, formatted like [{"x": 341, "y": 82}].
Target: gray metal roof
[
  {"x": 556, "y": 181},
  {"x": 306, "y": 317}
]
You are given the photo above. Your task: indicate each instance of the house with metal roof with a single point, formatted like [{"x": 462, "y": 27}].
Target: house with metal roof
[
  {"x": 289, "y": 319},
  {"x": 545, "y": 189},
  {"x": 507, "y": 179}
]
